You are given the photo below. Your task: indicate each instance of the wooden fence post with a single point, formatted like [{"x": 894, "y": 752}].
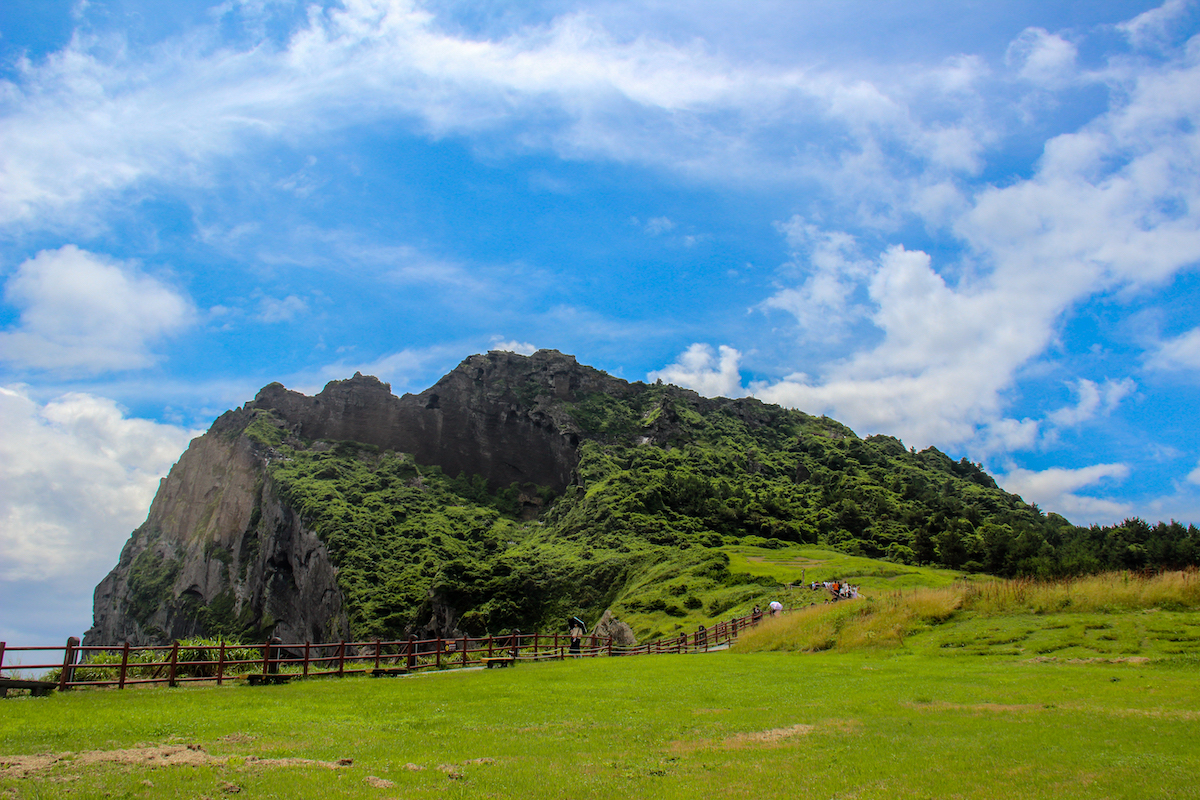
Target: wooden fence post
[
  {"x": 307, "y": 647},
  {"x": 535, "y": 645},
  {"x": 124, "y": 665},
  {"x": 68, "y": 669},
  {"x": 516, "y": 642},
  {"x": 220, "y": 663},
  {"x": 490, "y": 642},
  {"x": 437, "y": 657},
  {"x": 174, "y": 659},
  {"x": 342, "y": 659},
  {"x": 465, "y": 642},
  {"x": 1, "y": 657},
  {"x": 412, "y": 651},
  {"x": 378, "y": 647}
]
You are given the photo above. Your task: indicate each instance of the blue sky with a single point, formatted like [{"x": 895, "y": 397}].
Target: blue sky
[{"x": 969, "y": 225}]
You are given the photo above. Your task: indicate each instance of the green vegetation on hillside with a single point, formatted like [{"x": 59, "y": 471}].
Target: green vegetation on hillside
[
  {"x": 1115, "y": 615},
  {"x": 669, "y": 485}
]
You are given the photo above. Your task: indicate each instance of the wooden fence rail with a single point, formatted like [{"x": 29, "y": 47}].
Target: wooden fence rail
[{"x": 275, "y": 661}]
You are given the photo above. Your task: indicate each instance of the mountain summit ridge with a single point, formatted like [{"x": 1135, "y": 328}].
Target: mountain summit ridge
[
  {"x": 518, "y": 491},
  {"x": 218, "y": 512}
]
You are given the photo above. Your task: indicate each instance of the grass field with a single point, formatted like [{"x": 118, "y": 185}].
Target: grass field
[
  {"x": 763, "y": 725},
  {"x": 960, "y": 690}
]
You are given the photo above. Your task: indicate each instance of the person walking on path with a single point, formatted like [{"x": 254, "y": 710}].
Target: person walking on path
[{"x": 578, "y": 629}]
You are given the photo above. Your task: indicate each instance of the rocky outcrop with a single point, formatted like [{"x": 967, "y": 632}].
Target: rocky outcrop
[
  {"x": 219, "y": 554},
  {"x": 222, "y": 554},
  {"x": 494, "y": 415},
  {"x": 621, "y": 633}
]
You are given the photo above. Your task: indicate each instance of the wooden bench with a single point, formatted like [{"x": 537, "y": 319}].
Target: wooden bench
[
  {"x": 498, "y": 661},
  {"x": 36, "y": 688},
  {"x": 258, "y": 679},
  {"x": 387, "y": 672}
]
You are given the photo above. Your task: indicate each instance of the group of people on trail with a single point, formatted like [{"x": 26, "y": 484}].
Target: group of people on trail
[{"x": 840, "y": 590}]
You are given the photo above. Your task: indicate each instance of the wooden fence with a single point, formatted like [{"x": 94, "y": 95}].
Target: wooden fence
[{"x": 276, "y": 662}]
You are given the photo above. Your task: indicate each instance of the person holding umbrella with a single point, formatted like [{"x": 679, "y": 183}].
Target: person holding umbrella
[{"x": 578, "y": 629}]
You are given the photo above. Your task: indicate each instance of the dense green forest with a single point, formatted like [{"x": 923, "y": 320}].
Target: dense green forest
[{"x": 665, "y": 479}]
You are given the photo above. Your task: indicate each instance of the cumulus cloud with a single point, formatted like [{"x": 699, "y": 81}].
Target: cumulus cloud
[
  {"x": 824, "y": 303},
  {"x": 1181, "y": 352},
  {"x": 712, "y": 374},
  {"x": 513, "y": 346},
  {"x": 272, "y": 309},
  {"x": 76, "y": 477},
  {"x": 946, "y": 355},
  {"x": 1153, "y": 28},
  {"x": 402, "y": 369},
  {"x": 1094, "y": 399},
  {"x": 1042, "y": 58},
  {"x": 84, "y": 313},
  {"x": 1102, "y": 212},
  {"x": 1056, "y": 489}
]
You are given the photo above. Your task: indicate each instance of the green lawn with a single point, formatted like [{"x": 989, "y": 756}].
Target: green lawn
[{"x": 922, "y": 721}]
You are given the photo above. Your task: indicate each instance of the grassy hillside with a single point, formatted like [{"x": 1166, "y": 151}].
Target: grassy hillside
[
  {"x": 684, "y": 510},
  {"x": 907, "y": 723},
  {"x": 1112, "y": 616}
]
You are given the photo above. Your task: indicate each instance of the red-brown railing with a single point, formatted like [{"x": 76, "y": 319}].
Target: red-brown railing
[{"x": 89, "y": 665}]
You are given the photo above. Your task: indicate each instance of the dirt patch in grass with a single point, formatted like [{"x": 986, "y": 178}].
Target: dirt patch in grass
[
  {"x": 1097, "y": 660},
  {"x": 990, "y": 708},
  {"x": 237, "y": 738},
  {"x": 768, "y": 738},
  {"x": 801, "y": 563},
  {"x": 1152, "y": 713},
  {"x": 148, "y": 756}
]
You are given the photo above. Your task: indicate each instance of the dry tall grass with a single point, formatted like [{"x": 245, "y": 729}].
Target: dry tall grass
[{"x": 884, "y": 621}]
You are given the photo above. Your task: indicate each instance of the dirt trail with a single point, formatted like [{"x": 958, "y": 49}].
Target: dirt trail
[{"x": 147, "y": 756}]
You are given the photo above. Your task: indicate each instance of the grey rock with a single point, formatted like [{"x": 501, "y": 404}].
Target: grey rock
[{"x": 621, "y": 633}]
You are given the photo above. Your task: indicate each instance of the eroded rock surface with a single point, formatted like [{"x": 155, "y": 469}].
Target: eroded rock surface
[{"x": 220, "y": 546}]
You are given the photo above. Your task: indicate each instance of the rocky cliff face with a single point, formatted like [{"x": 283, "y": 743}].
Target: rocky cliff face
[
  {"x": 221, "y": 553},
  {"x": 494, "y": 415}
]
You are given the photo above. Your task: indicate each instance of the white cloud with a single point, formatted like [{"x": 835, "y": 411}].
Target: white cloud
[
  {"x": 1153, "y": 28},
  {"x": 513, "y": 346},
  {"x": 1194, "y": 475},
  {"x": 1042, "y": 58},
  {"x": 946, "y": 355},
  {"x": 400, "y": 368},
  {"x": 834, "y": 271},
  {"x": 1182, "y": 352},
  {"x": 271, "y": 309},
  {"x": 76, "y": 477},
  {"x": 1055, "y": 490},
  {"x": 99, "y": 117},
  {"x": 706, "y": 372},
  {"x": 1094, "y": 399},
  {"x": 84, "y": 313},
  {"x": 1101, "y": 213},
  {"x": 659, "y": 225}
]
